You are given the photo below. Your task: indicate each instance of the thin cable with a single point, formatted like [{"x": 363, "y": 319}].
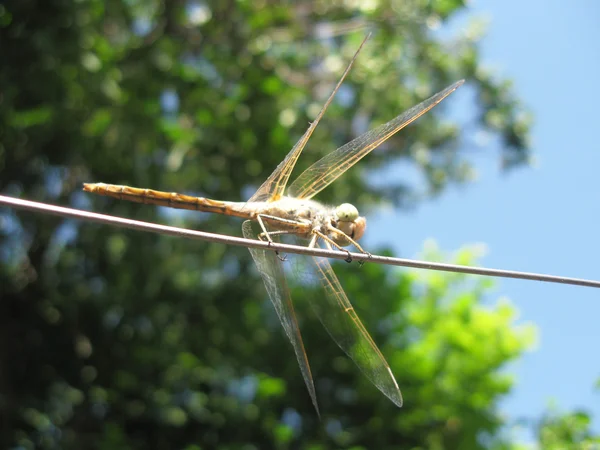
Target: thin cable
[{"x": 284, "y": 248}]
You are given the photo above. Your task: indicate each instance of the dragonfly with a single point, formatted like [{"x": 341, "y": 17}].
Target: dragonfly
[{"x": 273, "y": 213}]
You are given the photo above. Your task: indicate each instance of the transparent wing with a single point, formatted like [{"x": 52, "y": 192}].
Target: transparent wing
[
  {"x": 274, "y": 279},
  {"x": 342, "y": 323},
  {"x": 272, "y": 189},
  {"x": 325, "y": 171}
]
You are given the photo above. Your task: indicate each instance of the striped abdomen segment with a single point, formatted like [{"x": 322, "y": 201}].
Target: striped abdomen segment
[{"x": 170, "y": 199}]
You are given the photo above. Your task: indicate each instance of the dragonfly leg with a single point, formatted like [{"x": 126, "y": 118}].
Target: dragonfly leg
[
  {"x": 352, "y": 241},
  {"x": 287, "y": 226},
  {"x": 292, "y": 227},
  {"x": 267, "y": 235},
  {"x": 276, "y": 233},
  {"x": 313, "y": 241},
  {"x": 360, "y": 249},
  {"x": 329, "y": 243},
  {"x": 262, "y": 237}
]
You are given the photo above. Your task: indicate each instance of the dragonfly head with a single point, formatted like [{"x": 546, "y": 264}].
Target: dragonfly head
[{"x": 350, "y": 223}]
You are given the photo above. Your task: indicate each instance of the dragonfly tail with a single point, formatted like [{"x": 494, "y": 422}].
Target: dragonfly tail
[{"x": 170, "y": 199}]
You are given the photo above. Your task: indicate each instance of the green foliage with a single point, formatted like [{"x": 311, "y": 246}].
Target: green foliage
[
  {"x": 112, "y": 339},
  {"x": 571, "y": 430}
]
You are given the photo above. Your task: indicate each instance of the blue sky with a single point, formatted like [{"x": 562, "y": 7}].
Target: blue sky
[{"x": 539, "y": 219}]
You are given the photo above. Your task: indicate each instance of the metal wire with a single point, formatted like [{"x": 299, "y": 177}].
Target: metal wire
[{"x": 284, "y": 248}]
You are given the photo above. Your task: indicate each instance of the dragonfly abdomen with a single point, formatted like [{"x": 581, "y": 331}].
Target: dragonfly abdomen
[{"x": 169, "y": 199}]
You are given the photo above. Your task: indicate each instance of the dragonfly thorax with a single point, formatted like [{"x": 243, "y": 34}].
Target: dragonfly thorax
[{"x": 338, "y": 224}]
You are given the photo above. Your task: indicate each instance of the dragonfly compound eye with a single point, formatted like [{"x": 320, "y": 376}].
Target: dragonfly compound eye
[{"x": 346, "y": 212}]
